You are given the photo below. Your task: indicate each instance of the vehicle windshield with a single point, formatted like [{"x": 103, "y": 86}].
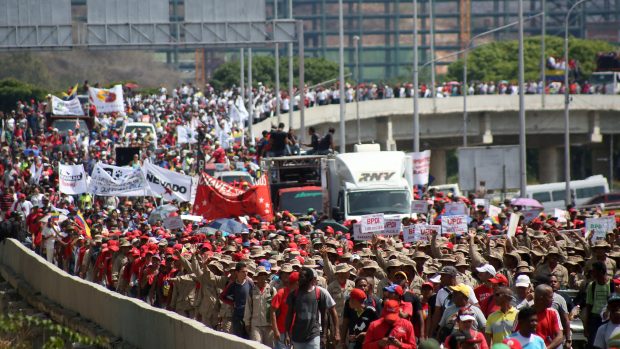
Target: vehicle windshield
[
  {"x": 299, "y": 202},
  {"x": 65, "y": 125},
  {"x": 236, "y": 178},
  {"x": 379, "y": 201}
]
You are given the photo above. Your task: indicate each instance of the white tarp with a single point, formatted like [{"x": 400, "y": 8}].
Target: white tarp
[
  {"x": 72, "y": 179},
  {"x": 108, "y": 180},
  {"x": 169, "y": 184},
  {"x": 107, "y": 100}
]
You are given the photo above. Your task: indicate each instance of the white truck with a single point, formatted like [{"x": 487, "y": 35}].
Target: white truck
[{"x": 356, "y": 184}]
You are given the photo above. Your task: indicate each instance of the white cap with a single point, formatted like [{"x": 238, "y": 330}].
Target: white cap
[
  {"x": 435, "y": 279},
  {"x": 522, "y": 281},
  {"x": 466, "y": 317},
  {"x": 355, "y": 257},
  {"x": 487, "y": 268}
]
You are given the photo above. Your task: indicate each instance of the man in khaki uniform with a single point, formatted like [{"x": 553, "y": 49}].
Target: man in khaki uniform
[
  {"x": 551, "y": 266},
  {"x": 599, "y": 254},
  {"x": 257, "y": 315},
  {"x": 119, "y": 260},
  {"x": 212, "y": 282}
]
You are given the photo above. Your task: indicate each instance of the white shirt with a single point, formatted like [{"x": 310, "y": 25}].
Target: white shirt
[
  {"x": 48, "y": 237},
  {"x": 603, "y": 333}
]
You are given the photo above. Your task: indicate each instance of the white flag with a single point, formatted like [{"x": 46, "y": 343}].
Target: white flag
[
  {"x": 70, "y": 107},
  {"x": 72, "y": 179},
  {"x": 107, "y": 100},
  {"x": 169, "y": 184}
]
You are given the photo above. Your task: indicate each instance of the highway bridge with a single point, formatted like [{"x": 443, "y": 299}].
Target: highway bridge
[{"x": 492, "y": 120}]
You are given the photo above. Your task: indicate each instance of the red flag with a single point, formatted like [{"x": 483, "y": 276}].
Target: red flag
[{"x": 217, "y": 199}]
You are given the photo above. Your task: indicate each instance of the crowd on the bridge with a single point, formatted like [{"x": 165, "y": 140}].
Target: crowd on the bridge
[{"x": 287, "y": 281}]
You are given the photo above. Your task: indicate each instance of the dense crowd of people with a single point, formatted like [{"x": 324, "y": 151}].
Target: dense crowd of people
[{"x": 286, "y": 282}]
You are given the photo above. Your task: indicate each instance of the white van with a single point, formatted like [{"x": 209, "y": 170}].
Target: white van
[
  {"x": 552, "y": 195},
  {"x": 133, "y": 127}
]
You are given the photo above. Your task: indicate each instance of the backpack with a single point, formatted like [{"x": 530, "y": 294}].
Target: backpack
[
  {"x": 581, "y": 297},
  {"x": 317, "y": 292}
]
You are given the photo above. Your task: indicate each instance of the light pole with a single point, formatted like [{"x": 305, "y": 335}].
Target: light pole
[
  {"x": 416, "y": 111},
  {"x": 432, "y": 25},
  {"x": 341, "y": 76},
  {"x": 466, "y": 51},
  {"x": 291, "y": 96},
  {"x": 522, "y": 139},
  {"x": 543, "y": 60},
  {"x": 250, "y": 96},
  {"x": 242, "y": 75},
  {"x": 567, "y": 199},
  {"x": 356, "y": 40},
  {"x": 276, "y": 51}
]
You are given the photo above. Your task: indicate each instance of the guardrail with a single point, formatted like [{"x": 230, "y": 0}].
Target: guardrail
[{"x": 133, "y": 320}]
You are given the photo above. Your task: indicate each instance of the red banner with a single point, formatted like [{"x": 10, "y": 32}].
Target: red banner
[{"x": 217, "y": 199}]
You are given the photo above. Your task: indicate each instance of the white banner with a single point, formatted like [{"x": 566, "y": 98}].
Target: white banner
[
  {"x": 598, "y": 227},
  {"x": 169, "y": 184},
  {"x": 358, "y": 235},
  {"x": 70, "y": 107},
  {"x": 455, "y": 208},
  {"x": 72, "y": 179},
  {"x": 373, "y": 223},
  {"x": 419, "y": 206},
  {"x": 494, "y": 211},
  {"x": 421, "y": 167},
  {"x": 392, "y": 226},
  {"x": 185, "y": 134},
  {"x": 456, "y": 224},
  {"x": 107, "y": 100},
  {"x": 108, "y": 180}
]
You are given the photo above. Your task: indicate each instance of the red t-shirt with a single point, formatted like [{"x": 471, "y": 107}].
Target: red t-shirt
[
  {"x": 484, "y": 294},
  {"x": 548, "y": 325},
  {"x": 278, "y": 303},
  {"x": 475, "y": 334}
]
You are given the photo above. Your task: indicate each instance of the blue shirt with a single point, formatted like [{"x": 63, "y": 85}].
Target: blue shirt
[
  {"x": 238, "y": 294},
  {"x": 533, "y": 342}
]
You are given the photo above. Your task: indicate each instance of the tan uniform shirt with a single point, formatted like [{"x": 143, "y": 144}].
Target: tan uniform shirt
[
  {"x": 257, "y": 306},
  {"x": 559, "y": 271},
  {"x": 610, "y": 264},
  {"x": 340, "y": 294}
]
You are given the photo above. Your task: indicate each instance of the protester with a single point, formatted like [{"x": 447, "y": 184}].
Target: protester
[{"x": 391, "y": 330}]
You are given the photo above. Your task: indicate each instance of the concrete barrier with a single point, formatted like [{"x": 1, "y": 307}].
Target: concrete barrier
[{"x": 136, "y": 322}]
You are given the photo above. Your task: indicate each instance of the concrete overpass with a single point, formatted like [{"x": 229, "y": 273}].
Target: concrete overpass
[{"x": 492, "y": 120}]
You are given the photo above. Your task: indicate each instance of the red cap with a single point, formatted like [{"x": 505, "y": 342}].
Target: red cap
[
  {"x": 294, "y": 277},
  {"x": 358, "y": 295},
  {"x": 391, "y": 310},
  {"x": 499, "y": 279}
]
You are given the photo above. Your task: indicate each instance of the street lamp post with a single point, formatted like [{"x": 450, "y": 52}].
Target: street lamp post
[
  {"x": 416, "y": 92},
  {"x": 341, "y": 76},
  {"x": 568, "y": 198},
  {"x": 276, "y": 51},
  {"x": 543, "y": 61},
  {"x": 522, "y": 138},
  {"x": 356, "y": 40}
]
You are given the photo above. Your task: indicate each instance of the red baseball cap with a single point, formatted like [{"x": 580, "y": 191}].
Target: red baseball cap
[
  {"x": 499, "y": 279},
  {"x": 358, "y": 295},
  {"x": 391, "y": 310},
  {"x": 294, "y": 277}
]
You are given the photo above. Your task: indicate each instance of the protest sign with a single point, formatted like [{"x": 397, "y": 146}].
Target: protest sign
[
  {"x": 419, "y": 206},
  {"x": 426, "y": 231},
  {"x": 530, "y": 214},
  {"x": 494, "y": 211},
  {"x": 421, "y": 167},
  {"x": 598, "y": 227},
  {"x": 392, "y": 226},
  {"x": 358, "y": 235},
  {"x": 455, "y": 224},
  {"x": 72, "y": 179},
  {"x": 409, "y": 234},
  {"x": 455, "y": 208},
  {"x": 186, "y": 134},
  {"x": 373, "y": 223},
  {"x": 513, "y": 224},
  {"x": 482, "y": 202},
  {"x": 169, "y": 184}
]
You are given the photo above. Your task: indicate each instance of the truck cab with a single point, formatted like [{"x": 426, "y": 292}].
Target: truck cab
[{"x": 369, "y": 182}]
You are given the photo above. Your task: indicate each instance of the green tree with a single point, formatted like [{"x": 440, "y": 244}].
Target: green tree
[
  {"x": 12, "y": 90},
  {"x": 316, "y": 71},
  {"x": 499, "y": 60}
]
